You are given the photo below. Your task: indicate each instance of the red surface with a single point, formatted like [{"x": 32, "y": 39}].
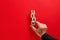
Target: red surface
[{"x": 15, "y": 21}]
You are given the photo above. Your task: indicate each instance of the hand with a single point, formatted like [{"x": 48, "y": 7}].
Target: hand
[{"x": 41, "y": 30}]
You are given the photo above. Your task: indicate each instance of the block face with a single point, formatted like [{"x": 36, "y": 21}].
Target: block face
[{"x": 15, "y": 18}]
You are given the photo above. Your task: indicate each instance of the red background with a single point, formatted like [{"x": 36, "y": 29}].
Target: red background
[{"x": 15, "y": 18}]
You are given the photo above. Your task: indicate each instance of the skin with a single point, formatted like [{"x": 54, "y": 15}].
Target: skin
[{"x": 41, "y": 30}]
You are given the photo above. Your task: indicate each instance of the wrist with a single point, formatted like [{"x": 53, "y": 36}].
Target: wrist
[{"x": 42, "y": 34}]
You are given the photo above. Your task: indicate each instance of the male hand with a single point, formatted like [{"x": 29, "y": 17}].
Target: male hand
[{"x": 41, "y": 30}]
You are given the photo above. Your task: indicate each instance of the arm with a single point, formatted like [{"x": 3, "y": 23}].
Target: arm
[{"x": 47, "y": 37}]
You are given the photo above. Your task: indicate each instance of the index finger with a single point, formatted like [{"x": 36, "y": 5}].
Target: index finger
[{"x": 38, "y": 23}]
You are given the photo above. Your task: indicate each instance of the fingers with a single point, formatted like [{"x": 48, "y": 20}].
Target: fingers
[
  {"x": 41, "y": 25},
  {"x": 38, "y": 23},
  {"x": 33, "y": 28},
  {"x": 45, "y": 26}
]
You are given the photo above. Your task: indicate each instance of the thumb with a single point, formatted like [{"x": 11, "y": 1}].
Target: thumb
[{"x": 33, "y": 28}]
